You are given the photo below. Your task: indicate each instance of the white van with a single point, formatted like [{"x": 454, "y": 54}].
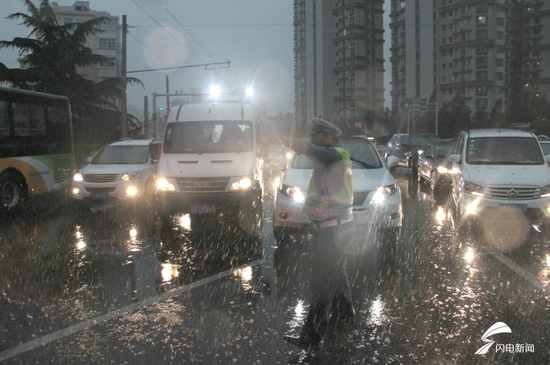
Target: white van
[
  {"x": 500, "y": 169},
  {"x": 211, "y": 160}
]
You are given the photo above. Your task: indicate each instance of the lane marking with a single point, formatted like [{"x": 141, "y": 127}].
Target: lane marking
[
  {"x": 28, "y": 346},
  {"x": 515, "y": 267}
]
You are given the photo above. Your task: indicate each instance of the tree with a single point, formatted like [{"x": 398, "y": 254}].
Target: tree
[{"x": 50, "y": 60}]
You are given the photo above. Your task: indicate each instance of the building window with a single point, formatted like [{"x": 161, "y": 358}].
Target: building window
[
  {"x": 481, "y": 103},
  {"x": 109, "y": 43},
  {"x": 482, "y": 62},
  {"x": 481, "y": 20},
  {"x": 110, "y": 63}
]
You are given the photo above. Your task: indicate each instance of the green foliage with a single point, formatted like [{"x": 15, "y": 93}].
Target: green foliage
[{"x": 50, "y": 60}]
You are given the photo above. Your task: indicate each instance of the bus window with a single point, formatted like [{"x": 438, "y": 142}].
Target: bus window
[
  {"x": 4, "y": 126},
  {"x": 38, "y": 120}
]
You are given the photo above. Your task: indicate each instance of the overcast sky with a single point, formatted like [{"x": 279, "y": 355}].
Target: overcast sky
[{"x": 255, "y": 35}]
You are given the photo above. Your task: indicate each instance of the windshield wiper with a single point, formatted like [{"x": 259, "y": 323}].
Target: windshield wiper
[{"x": 364, "y": 164}]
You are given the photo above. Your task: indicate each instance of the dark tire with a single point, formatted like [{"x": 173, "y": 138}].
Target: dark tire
[
  {"x": 414, "y": 168},
  {"x": 12, "y": 191},
  {"x": 433, "y": 182}
]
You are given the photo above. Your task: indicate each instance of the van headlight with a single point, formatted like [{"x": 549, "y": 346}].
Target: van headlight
[
  {"x": 130, "y": 176},
  {"x": 473, "y": 189},
  {"x": 165, "y": 185},
  {"x": 78, "y": 177},
  {"x": 241, "y": 184},
  {"x": 384, "y": 192},
  {"x": 545, "y": 191}
]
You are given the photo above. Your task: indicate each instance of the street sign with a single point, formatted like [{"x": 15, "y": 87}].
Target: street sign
[{"x": 415, "y": 105}]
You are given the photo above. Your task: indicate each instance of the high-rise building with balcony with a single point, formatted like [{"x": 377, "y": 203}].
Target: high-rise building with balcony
[
  {"x": 480, "y": 52},
  {"x": 339, "y": 62}
]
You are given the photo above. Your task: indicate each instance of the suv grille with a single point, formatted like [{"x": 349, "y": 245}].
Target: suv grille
[
  {"x": 359, "y": 198},
  {"x": 512, "y": 192},
  {"x": 100, "y": 178},
  {"x": 202, "y": 185}
]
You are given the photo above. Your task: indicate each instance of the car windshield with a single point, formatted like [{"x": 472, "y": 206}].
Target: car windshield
[
  {"x": 122, "y": 155},
  {"x": 443, "y": 150},
  {"x": 503, "y": 151},
  {"x": 362, "y": 154},
  {"x": 209, "y": 137},
  {"x": 545, "y": 148}
]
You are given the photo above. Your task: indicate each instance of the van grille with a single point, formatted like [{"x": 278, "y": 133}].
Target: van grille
[
  {"x": 512, "y": 192},
  {"x": 202, "y": 185},
  {"x": 62, "y": 170},
  {"x": 100, "y": 178}
]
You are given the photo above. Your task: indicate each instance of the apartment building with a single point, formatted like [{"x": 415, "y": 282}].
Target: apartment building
[
  {"x": 483, "y": 52},
  {"x": 339, "y": 61},
  {"x": 107, "y": 43}
]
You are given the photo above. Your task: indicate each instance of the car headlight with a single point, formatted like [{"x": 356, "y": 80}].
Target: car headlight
[
  {"x": 130, "y": 176},
  {"x": 545, "y": 191},
  {"x": 443, "y": 170},
  {"x": 473, "y": 189},
  {"x": 163, "y": 184},
  {"x": 293, "y": 192},
  {"x": 241, "y": 184},
  {"x": 384, "y": 192},
  {"x": 78, "y": 177}
]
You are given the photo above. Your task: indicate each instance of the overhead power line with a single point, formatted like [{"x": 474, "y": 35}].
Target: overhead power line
[
  {"x": 166, "y": 30},
  {"x": 206, "y": 65},
  {"x": 182, "y": 27}
]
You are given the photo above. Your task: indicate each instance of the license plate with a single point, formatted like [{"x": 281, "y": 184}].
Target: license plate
[
  {"x": 203, "y": 209},
  {"x": 99, "y": 195},
  {"x": 520, "y": 207}
]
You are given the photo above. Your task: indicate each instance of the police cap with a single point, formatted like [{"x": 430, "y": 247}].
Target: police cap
[{"x": 322, "y": 126}]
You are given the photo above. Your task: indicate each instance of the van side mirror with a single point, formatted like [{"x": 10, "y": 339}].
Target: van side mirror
[
  {"x": 547, "y": 159},
  {"x": 455, "y": 158},
  {"x": 89, "y": 160}
]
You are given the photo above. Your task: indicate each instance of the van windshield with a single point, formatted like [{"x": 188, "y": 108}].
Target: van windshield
[
  {"x": 209, "y": 137},
  {"x": 503, "y": 151}
]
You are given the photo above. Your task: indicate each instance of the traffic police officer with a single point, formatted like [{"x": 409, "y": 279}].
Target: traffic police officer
[{"x": 328, "y": 205}]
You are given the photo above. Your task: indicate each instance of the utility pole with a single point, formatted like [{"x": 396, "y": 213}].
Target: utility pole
[
  {"x": 167, "y": 95},
  {"x": 146, "y": 117},
  {"x": 123, "y": 96}
]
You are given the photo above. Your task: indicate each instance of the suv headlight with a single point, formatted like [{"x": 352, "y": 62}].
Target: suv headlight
[
  {"x": 130, "y": 176},
  {"x": 443, "y": 170},
  {"x": 78, "y": 177},
  {"x": 473, "y": 189},
  {"x": 384, "y": 192},
  {"x": 545, "y": 191},
  {"x": 293, "y": 192}
]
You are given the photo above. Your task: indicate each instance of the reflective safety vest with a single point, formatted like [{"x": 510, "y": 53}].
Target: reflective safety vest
[{"x": 330, "y": 191}]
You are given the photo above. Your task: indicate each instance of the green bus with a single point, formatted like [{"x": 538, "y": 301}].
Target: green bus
[{"x": 36, "y": 145}]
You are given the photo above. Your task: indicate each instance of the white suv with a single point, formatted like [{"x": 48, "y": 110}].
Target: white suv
[
  {"x": 123, "y": 170},
  {"x": 500, "y": 169}
]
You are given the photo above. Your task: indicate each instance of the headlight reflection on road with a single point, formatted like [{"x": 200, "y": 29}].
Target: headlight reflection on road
[
  {"x": 276, "y": 184},
  {"x": 169, "y": 271},
  {"x": 469, "y": 256},
  {"x": 80, "y": 244},
  {"x": 185, "y": 221}
]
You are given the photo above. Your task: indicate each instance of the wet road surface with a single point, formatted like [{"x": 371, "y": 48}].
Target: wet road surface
[{"x": 117, "y": 286}]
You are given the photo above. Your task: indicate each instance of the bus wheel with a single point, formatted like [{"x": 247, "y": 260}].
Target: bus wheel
[{"x": 11, "y": 191}]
